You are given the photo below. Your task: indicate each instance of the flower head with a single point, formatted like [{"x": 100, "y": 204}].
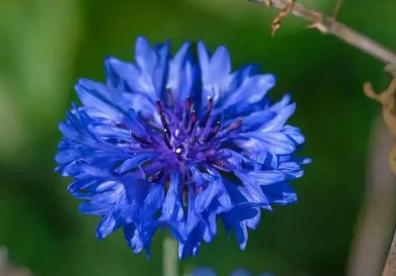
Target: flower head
[{"x": 177, "y": 143}]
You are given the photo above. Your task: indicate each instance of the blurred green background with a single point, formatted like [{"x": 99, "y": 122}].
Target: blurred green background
[{"x": 46, "y": 45}]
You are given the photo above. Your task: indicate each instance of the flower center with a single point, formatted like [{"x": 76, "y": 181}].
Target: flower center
[
  {"x": 188, "y": 137},
  {"x": 184, "y": 138}
]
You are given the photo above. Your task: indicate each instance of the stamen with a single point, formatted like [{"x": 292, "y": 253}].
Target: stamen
[
  {"x": 231, "y": 127},
  {"x": 236, "y": 124},
  {"x": 188, "y": 104},
  {"x": 160, "y": 108},
  {"x": 184, "y": 132},
  {"x": 193, "y": 120},
  {"x": 155, "y": 177},
  {"x": 213, "y": 131},
  {"x": 193, "y": 135},
  {"x": 169, "y": 98},
  {"x": 143, "y": 140},
  {"x": 166, "y": 138},
  {"x": 164, "y": 122},
  {"x": 220, "y": 164},
  {"x": 185, "y": 195},
  {"x": 187, "y": 108},
  {"x": 208, "y": 112}
]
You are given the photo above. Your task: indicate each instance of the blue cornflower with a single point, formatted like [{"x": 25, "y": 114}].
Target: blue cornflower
[{"x": 177, "y": 143}]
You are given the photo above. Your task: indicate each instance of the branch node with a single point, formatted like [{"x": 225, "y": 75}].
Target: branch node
[
  {"x": 319, "y": 26},
  {"x": 285, "y": 11},
  {"x": 387, "y": 99}
]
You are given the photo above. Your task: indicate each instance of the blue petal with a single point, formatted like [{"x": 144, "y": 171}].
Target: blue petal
[
  {"x": 205, "y": 197},
  {"x": 146, "y": 59},
  {"x": 236, "y": 220},
  {"x": 295, "y": 134},
  {"x": 90, "y": 186},
  {"x": 148, "y": 222},
  {"x": 154, "y": 200},
  {"x": 105, "y": 131},
  {"x": 252, "y": 90},
  {"x": 106, "y": 226},
  {"x": 162, "y": 68},
  {"x": 120, "y": 73},
  {"x": 132, "y": 237},
  {"x": 293, "y": 169},
  {"x": 268, "y": 119},
  {"x": 192, "y": 244},
  {"x": 181, "y": 73},
  {"x": 215, "y": 71},
  {"x": 280, "y": 193},
  {"x": 66, "y": 156},
  {"x": 253, "y": 193},
  {"x": 98, "y": 99},
  {"x": 220, "y": 66},
  {"x": 254, "y": 221},
  {"x": 133, "y": 162},
  {"x": 275, "y": 142},
  {"x": 153, "y": 64},
  {"x": 203, "y": 56},
  {"x": 95, "y": 208},
  {"x": 262, "y": 177},
  {"x": 172, "y": 209}
]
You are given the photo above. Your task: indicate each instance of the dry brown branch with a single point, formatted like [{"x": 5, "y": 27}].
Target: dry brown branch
[
  {"x": 387, "y": 100},
  {"x": 276, "y": 23},
  {"x": 377, "y": 217},
  {"x": 328, "y": 25}
]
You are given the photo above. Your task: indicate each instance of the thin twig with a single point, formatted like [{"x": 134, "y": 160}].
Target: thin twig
[
  {"x": 276, "y": 23},
  {"x": 328, "y": 25},
  {"x": 337, "y": 9}
]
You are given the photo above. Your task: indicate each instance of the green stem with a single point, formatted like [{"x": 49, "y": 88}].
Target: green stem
[{"x": 169, "y": 257}]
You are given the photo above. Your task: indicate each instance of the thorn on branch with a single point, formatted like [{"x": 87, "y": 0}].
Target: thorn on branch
[
  {"x": 387, "y": 100},
  {"x": 285, "y": 11},
  {"x": 319, "y": 26}
]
